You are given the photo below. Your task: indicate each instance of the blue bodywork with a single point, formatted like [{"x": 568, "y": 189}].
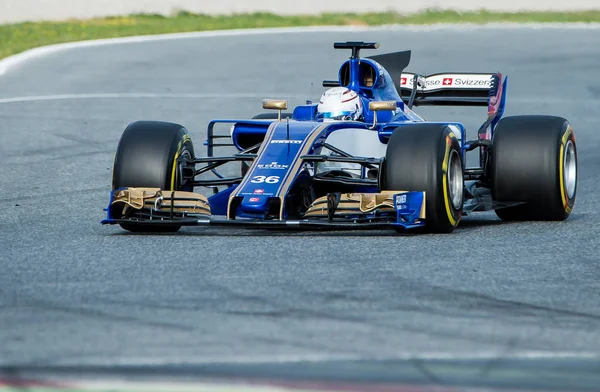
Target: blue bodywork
[
  {"x": 278, "y": 170},
  {"x": 284, "y": 142}
]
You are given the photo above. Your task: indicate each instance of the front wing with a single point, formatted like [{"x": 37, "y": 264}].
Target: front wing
[{"x": 153, "y": 206}]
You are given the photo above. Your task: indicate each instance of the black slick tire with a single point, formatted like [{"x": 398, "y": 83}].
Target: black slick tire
[
  {"x": 423, "y": 157},
  {"x": 146, "y": 157},
  {"x": 534, "y": 160}
]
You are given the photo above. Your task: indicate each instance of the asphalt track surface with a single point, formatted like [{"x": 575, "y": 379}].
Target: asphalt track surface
[{"x": 73, "y": 292}]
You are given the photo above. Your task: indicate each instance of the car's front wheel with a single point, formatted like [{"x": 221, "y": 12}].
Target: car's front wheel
[
  {"x": 147, "y": 157},
  {"x": 427, "y": 157}
]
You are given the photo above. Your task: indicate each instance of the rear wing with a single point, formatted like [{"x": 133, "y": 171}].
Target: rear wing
[
  {"x": 450, "y": 89},
  {"x": 458, "y": 89}
]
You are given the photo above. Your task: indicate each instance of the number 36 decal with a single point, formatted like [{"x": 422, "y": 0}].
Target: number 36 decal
[{"x": 268, "y": 180}]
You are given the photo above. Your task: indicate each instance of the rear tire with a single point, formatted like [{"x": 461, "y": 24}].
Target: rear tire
[
  {"x": 427, "y": 157},
  {"x": 534, "y": 160},
  {"x": 146, "y": 157}
]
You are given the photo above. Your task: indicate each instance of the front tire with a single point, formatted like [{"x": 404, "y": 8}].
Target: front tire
[
  {"x": 427, "y": 157},
  {"x": 147, "y": 157},
  {"x": 534, "y": 160}
]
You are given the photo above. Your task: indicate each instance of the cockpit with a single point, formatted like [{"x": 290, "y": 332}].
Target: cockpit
[{"x": 367, "y": 76}]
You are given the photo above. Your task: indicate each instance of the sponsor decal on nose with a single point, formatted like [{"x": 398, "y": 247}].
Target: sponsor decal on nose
[
  {"x": 273, "y": 165},
  {"x": 286, "y": 141}
]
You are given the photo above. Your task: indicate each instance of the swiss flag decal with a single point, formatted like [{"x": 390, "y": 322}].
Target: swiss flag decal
[
  {"x": 403, "y": 81},
  {"x": 447, "y": 82}
]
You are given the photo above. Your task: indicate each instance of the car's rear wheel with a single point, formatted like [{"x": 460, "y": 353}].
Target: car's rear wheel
[
  {"x": 427, "y": 157},
  {"x": 147, "y": 157},
  {"x": 534, "y": 160}
]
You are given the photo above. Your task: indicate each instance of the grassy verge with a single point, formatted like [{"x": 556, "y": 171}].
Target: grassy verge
[{"x": 15, "y": 38}]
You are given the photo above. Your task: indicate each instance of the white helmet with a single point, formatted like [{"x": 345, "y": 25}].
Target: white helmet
[{"x": 340, "y": 103}]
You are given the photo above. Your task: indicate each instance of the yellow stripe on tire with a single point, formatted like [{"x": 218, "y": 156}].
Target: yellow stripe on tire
[
  {"x": 561, "y": 169},
  {"x": 445, "y": 179},
  {"x": 174, "y": 169}
]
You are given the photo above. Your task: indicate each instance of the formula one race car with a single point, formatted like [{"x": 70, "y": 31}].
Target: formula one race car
[{"x": 360, "y": 158}]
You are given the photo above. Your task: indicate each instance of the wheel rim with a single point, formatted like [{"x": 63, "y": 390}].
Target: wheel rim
[
  {"x": 570, "y": 169},
  {"x": 455, "y": 180}
]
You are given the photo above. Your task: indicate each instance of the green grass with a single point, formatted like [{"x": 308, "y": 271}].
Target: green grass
[{"x": 15, "y": 38}]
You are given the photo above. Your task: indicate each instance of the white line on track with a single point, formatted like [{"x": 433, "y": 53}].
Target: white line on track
[
  {"x": 13, "y": 61},
  {"x": 324, "y": 358},
  {"x": 143, "y": 95},
  {"x": 184, "y": 386},
  {"x": 265, "y": 386},
  {"x": 84, "y": 96}
]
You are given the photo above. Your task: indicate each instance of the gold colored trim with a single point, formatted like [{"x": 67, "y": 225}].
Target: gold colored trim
[
  {"x": 357, "y": 203},
  {"x": 422, "y": 216},
  {"x": 160, "y": 200},
  {"x": 276, "y": 104},
  {"x": 376, "y": 106}
]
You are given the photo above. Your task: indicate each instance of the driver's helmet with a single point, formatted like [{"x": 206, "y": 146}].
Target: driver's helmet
[{"x": 339, "y": 104}]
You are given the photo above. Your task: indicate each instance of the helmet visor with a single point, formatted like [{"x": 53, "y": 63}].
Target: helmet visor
[{"x": 338, "y": 115}]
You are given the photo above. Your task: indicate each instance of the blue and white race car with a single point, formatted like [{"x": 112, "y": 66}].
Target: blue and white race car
[{"x": 360, "y": 158}]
